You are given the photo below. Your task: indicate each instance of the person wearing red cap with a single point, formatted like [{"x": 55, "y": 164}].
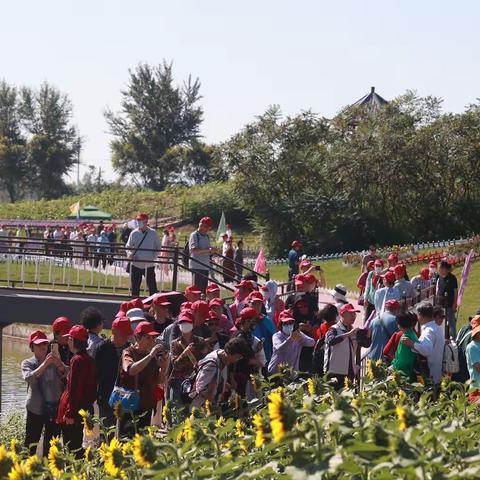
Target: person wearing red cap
[
  {"x": 107, "y": 358},
  {"x": 160, "y": 313},
  {"x": 362, "y": 279},
  {"x": 212, "y": 291},
  {"x": 264, "y": 329},
  {"x": 404, "y": 287},
  {"x": 341, "y": 347},
  {"x": 185, "y": 353},
  {"x": 60, "y": 327},
  {"x": 143, "y": 246},
  {"x": 294, "y": 260},
  {"x": 217, "y": 306},
  {"x": 254, "y": 361},
  {"x": 432, "y": 269},
  {"x": 382, "y": 327},
  {"x": 141, "y": 368},
  {"x": 216, "y": 323},
  {"x": 44, "y": 374},
  {"x": 193, "y": 293},
  {"x": 388, "y": 292},
  {"x": 242, "y": 291},
  {"x": 80, "y": 391},
  {"x": 200, "y": 250},
  {"x": 374, "y": 281},
  {"x": 422, "y": 281}
]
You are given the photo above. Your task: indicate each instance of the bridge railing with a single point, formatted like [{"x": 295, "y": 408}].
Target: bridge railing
[{"x": 82, "y": 266}]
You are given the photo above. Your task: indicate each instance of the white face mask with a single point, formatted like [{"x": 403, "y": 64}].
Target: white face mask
[
  {"x": 287, "y": 329},
  {"x": 378, "y": 269},
  {"x": 432, "y": 269},
  {"x": 140, "y": 224},
  {"x": 186, "y": 327}
]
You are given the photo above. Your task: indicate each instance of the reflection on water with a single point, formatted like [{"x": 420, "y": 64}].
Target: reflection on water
[{"x": 14, "y": 388}]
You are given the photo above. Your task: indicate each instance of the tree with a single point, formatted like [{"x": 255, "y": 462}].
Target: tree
[
  {"x": 13, "y": 159},
  {"x": 53, "y": 141},
  {"x": 156, "y": 116}
]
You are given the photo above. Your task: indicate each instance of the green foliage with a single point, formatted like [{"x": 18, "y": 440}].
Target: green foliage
[
  {"x": 156, "y": 133},
  {"x": 12, "y": 426}
]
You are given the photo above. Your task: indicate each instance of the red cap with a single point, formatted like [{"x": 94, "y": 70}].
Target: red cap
[
  {"x": 309, "y": 278},
  {"x": 399, "y": 269},
  {"x": 370, "y": 264},
  {"x": 61, "y": 325},
  {"x": 123, "y": 325},
  {"x": 78, "y": 332},
  {"x": 389, "y": 277},
  {"x": 142, "y": 216},
  {"x": 285, "y": 314},
  {"x": 120, "y": 313},
  {"x": 213, "y": 287},
  {"x": 193, "y": 289},
  {"x": 287, "y": 319},
  {"x": 348, "y": 308},
  {"x": 162, "y": 301},
  {"x": 299, "y": 279},
  {"x": 433, "y": 263},
  {"x": 136, "y": 303},
  {"x": 37, "y": 338},
  {"x": 146, "y": 328},
  {"x": 201, "y": 307},
  {"x": 185, "y": 317},
  {"x": 186, "y": 306},
  {"x": 392, "y": 304},
  {"x": 206, "y": 221},
  {"x": 296, "y": 243},
  {"x": 125, "y": 306},
  {"x": 216, "y": 302},
  {"x": 379, "y": 262},
  {"x": 425, "y": 273},
  {"x": 393, "y": 257},
  {"x": 247, "y": 313},
  {"x": 248, "y": 284},
  {"x": 305, "y": 264},
  {"x": 255, "y": 296}
]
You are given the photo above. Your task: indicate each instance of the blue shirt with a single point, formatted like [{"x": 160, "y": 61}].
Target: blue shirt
[
  {"x": 473, "y": 357},
  {"x": 293, "y": 259},
  {"x": 264, "y": 331},
  {"x": 381, "y": 334}
]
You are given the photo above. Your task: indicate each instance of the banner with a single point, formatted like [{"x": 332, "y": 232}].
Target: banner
[
  {"x": 260, "y": 264},
  {"x": 465, "y": 272},
  {"x": 75, "y": 209},
  {"x": 221, "y": 228}
]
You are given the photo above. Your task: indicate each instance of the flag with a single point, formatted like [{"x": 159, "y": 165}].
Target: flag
[
  {"x": 465, "y": 272},
  {"x": 75, "y": 209},
  {"x": 260, "y": 266},
  {"x": 221, "y": 228}
]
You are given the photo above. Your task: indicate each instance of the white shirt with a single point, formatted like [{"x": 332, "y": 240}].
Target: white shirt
[
  {"x": 431, "y": 345},
  {"x": 57, "y": 234}
]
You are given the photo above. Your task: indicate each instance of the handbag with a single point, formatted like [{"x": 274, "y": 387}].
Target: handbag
[
  {"x": 127, "y": 268},
  {"x": 128, "y": 399}
]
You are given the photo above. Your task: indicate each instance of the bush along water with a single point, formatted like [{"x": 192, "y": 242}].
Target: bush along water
[{"x": 297, "y": 429}]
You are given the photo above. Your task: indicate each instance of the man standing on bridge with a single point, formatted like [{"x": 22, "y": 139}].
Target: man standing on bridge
[{"x": 143, "y": 246}]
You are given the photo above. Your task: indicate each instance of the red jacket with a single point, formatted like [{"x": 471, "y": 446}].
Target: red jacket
[{"x": 81, "y": 389}]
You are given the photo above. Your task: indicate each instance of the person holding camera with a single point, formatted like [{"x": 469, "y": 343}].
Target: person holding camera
[
  {"x": 44, "y": 374},
  {"x": 185, "y": 352},
  {"x": 142, "y": 247}
]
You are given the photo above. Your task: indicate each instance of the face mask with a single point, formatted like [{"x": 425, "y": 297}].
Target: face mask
[
  {"x": 185, "y": 327},
  {"x": 140, "y": 224},
  {"x": 287, "y": 329},
  {"x": 378, "y": 269},
  {"x": 432, "y": 270}
]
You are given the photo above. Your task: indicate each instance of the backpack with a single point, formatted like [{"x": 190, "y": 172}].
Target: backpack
[
  {"x": 451, "y": 358},
  {"x": 184, "y": 256},
  {"x": 188, "y": 385}
]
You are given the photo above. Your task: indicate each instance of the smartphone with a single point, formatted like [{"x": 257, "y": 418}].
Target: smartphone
[
  {"x": 55, "y": 349},
  {"x": 317, "y": 268}
]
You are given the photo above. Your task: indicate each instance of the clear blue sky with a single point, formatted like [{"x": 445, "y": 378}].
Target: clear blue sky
[{"x": 248, "y": 55}]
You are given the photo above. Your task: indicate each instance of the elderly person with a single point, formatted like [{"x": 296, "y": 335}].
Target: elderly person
[
  {"x": 288, "y": 344},
  {"x": 422, "y": 281},
  {"x": 143, "y": 246},
  {"x": 44, "y": 374},
  {"x": 382, "y": 327},
  {"x": 200, "y": 251}
]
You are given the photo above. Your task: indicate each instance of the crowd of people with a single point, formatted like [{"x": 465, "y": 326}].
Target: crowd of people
[{"x": 206, "y": 349}]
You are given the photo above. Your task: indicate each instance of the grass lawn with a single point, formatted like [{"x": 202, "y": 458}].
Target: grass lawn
[{"x": 335, "y": 273}]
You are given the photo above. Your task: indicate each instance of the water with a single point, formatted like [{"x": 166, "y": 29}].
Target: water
[{"x": 14, "y": 388}]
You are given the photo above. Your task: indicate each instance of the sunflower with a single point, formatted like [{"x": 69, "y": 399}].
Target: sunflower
[
  {"x": 402, "y": 418},
  {"x": 56, "y": 463},
  {"x": 370, "y": 372},
  {"x": 208, "y": 408},
  {"x": 88, "y": 454},
  {"x": 166, "y": 414},
  {"x": 275, "y": 404},
  {"x": 33, "y": 465},
  {"x": 6, "y": 462},
  {"x": 188, "y": 431},
  {"x": 143, "y": 451},
  {"x": 259, "y": 432},
  {"x": 81, "y": 476},
  {"x": 239, "y": 429},
  {"x": 87, "y": 422},
  {"x": 113, "y": 459},
  {"x": 220, "y": 422},
  {"x": 19, "y": 472},
  {"x": 15, "y": 449}
]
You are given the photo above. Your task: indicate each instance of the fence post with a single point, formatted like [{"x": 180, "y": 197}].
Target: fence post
[{"x": 175, "y": 269}]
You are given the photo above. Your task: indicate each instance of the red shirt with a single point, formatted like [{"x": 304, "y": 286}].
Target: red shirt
[
  {"x": 322, "y": 330},
  {"x": 81, "y": 389},
  {"x": 391, "y": 346}
]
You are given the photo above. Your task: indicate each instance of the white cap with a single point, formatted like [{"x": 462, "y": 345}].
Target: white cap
[{"x": 136, "y": 315}]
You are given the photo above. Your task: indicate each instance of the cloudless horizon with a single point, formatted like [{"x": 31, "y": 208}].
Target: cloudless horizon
[{"x": 300, "y": 55}]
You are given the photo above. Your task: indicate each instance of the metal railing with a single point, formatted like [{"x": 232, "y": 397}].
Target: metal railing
[{"x": 81, "y": 266}]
